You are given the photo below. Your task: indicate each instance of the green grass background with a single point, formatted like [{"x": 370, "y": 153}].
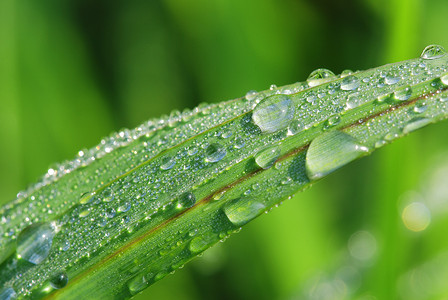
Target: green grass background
[{"x": 73, "y": 71}]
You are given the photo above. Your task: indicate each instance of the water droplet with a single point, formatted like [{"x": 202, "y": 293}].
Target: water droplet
[
  {"x": 242, "y": 210},
  {"x": 7, "y": 293},
  {"x": 433, "y": 52},
  {"x": 403, "y": 93},
  {"x": 84, "y": 213},
  {"x": 137, "y": 284},
  {"x": 415, "y": 124},
  {"x": 186, "y": 200},
  {"x": 108, "y": 195},
  {"x": 251, "y": 95},
  {"x": 124, "y": 207},
  {"x": 201, "y": 243},
  {"x": 294, "y": 127},
  {"x": 420, "y": 108},
  {"x": 273, "y": 113},
  {"x": 319, "y": 76},
  {"x": 353, "y": 100},
  {"x": 215, "y": 152},
  {"x": 345, "y": 73},
  {"x": 362, "y": 245},
  {"x": 330, "y": 151},
  {"x": 273, "y": 87},
  {"x": 34, "y": 242},
  {"x": 59, "y": 280},
  {"x": 239, "y": 143},
  {"x": 444, "y": 79},
  {"x": 392, "y": 78},
  {"x": 416, "y": 216},
  {"x": 167, "y": 163},
  {"x": 267, "y": 157},
  {"x": 349, "y": 83}
]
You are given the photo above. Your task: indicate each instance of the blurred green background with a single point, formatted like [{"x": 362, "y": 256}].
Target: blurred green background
[{"x": 73, "y": 71}]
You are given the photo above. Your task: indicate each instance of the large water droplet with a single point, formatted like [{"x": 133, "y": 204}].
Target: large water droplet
[
  {"x": 273, "y": 113},
  {"x": 186, "y": 200},
  {"x": 403, "y": 94},
  {"x": 319, "y": 76},
  {"x": 167, "y": 163},
  {"x": 267, "y": 157},
  {"x": 215, "y": 152},
  {"x": 350, "y": 83},
  {"x": 242, "y": 210},
  {"x": 7, "y": 293},
  {"x": 433, "y": 52},
  {"x": 59, "y": 280},
  {"x": 330, "y": 151},
  {"x": 415, "y": 124},
  {"x": 34, "y": 242},
  {"x": 444, "y": 79}
]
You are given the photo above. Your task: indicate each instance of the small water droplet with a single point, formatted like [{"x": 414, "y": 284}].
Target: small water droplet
[
  {"x": 332, "y": 121},
  {"x": 59, "y": 280},
  {"x": 294, "y": 127},
  {"x": 420, "y": 108},
  {"x": 124, "y": 207},
  {"x": 239, "y": 143},
  {"x": 350, "y": 83},
  {"x": 287, "y": 180},
  {"x": 242, "y": 210},
  {"x": 108, "y": 195},
  {"x": 415, "y": 124},
  {"x": 433, "y": 52},
  {"x": 7, "y": 293},
  {"x": 273, "y": 113},
  {"x": 273, "y": 87},
  {"x": 330, "y": 151},
  {"x": 267, "y": 157},
  {"x": 251, "y": 95},
  {"x": 186, "y": 200},
  {"x": 391, "y": 78},
  {"x": 137, "y": 284},
  {"x": 215, "y": 152},
  {"x": 167, "y": 163},
  {"x": 345, "y": 73},
  {"x": 34, "y": 242},
  {"x": 84, "y": 213},
  {"x": 201, "y": 243},
  {"x": 319, "y": 76},
  {"x": 403, "y": 94}
]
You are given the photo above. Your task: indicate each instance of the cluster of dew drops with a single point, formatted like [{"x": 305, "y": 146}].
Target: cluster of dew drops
[{"x": 273, "y": 111}]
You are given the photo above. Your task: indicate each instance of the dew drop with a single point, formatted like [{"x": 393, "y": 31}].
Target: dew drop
[
  {"x": 239, "y": 143},
  {"x": 391, "y": 79},
  {"x": 201, "y": 243},
  {"x": 215, "y": 152},
  {"x": 319, "y": 76},
  {"x": 242, "y": 210},
  {"x": 267, "y": 157},
  {"x": 59, "y": 280},
  {"x": 420, "y": 108},
  {"x": 124, "y": 207},
  {"x": 167, "y": 163},
  {"x": 415, "y": 124},
  {"x": 444, "y": 79},
  {"x": 273, "y": 113},
  {"x": 433, "y": 52},
  {"x": 349, "y": 83},
  {"x": 108, "y": 195},
  {"x": 7, "y": 293},
  {"x": 353, "y": 100},
  {"x": 403, "y": 93},
  {"x": 186, "y": 200},
  {"x": 137, "y": 284},
  {"x": 331, "y": 151},
  {"x": 34, "y": 242}
]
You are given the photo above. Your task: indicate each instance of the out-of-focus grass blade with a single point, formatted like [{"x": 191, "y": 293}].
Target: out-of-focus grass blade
[{"x": 145, "y": 201}]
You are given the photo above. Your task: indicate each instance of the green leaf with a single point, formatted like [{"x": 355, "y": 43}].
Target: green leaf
[{"x": 126, "y": 213}]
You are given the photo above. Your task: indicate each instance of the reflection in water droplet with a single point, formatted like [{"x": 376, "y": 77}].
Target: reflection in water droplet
[
  {"x": 59, "y": 280},
  {"x": 350, "y": 83},
  {"x": 167, "y": 163},
  {"x": 34, "y": 242},
  {"x": 362, "y": 245},
  {"x": 403, "y": 93},
  {"x": 186, "y": 200},
  {"x": 415, "y": 124},
  {"x": 242, "y": 210},
  {"x": 215, "y": 152},
  {"x": 433, "y": 52},
  {"x": 330, "y": 151},
  {"x": 273, "y": 113},
  {"x": 416, "y": 216},
  {"x": 7, "y": 293},
  {"x": 319, "y": 76},
  {"x": 267, "y": 157}
]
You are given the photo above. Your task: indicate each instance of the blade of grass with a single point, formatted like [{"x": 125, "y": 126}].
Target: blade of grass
[{"x": 142, "y": 203}]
